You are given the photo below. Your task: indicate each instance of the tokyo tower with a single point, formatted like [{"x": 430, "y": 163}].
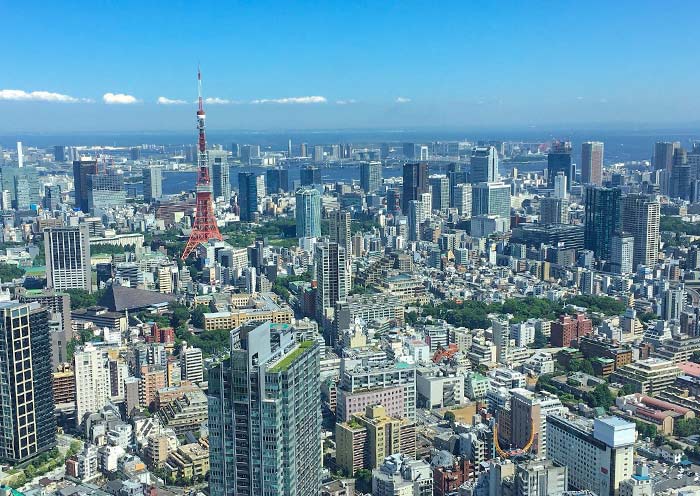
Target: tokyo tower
[{"x": 204, "y": 227}]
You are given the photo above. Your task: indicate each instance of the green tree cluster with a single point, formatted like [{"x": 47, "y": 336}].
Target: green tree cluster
[
  {"x": 79, "y": 298},
  {"x": 678, "y": 226},
  {"x": 601, "y": 397},
  {"x": 9, "y": 272},
  {"x": 687, "y": 427}
]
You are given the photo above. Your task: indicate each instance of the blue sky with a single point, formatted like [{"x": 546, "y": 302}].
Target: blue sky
[{"x": 368, "y": 64}]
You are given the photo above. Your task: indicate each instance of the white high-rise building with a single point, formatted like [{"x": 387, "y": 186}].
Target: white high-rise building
[
  {"x": 463, "y": 199},
  {"x": 191, "y": 364},
  {"x": 92, "y": 382},
  {"x": 599, "y": 454},
  {"x": 416, "y": 216},
  {"x": 20, "y": 155},
  {"x": 68, "y": 258},
  {"x": 501, "y": 338},
  {"x": 560, "y": 185},
  {"x": 621, "y": 253},
  {"x": 641, "y": 216}
]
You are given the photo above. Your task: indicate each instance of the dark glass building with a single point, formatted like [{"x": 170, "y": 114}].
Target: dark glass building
[
  {"x": 559, "y": 160},
  {"x": 415, "y": 183},
  {"x": 602, "y": 219}
]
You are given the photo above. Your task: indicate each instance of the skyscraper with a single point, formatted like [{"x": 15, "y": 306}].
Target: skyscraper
[
  {"x": 415, "y": 183},
  {"x": 440, "y": 189},
  {"x": 303, "y": 150},
  {"x": 621, "y": 253},
  {"x": 462, "y": 199},
  {"x": 68, "y": 258},
  {"x": 81, "y": 170},
  {"x": 220, "y": 176},
  {"x": 640, "y": 217},
  {"x": 318, "y": 154},
  {"x": 308, "y": 213},
  {"x": 679, "y": 179},
  {"x": 554, "y": 210},
  {"x": 491, "y": 199},
  {"x": 152, "y": 183},
  {"x": 251, "y": 189},
  {"x": 249, "y": 153},
  {"x": 602, "y": 221},
  {"x": 559, "y": 160},
  {"x": 105, "y": 191},
  {"x": 371, "y": 176},
  {"x": 264, "y": 415},
  {"x": 52, "y": 196},
  {"x": 310, "y": 175},
  {"x": 416, "y": 216},
  {"x": 28, "y": 426},
  {"x": 592, "y": 163},
  {"x": 333, "y": 278},
  {"x": 339, "y": 229},
  {"x": 59, "y": 153},
  {"x": 277, "y": 180},
  {"x": 484, "y": 165},
  {"x": 663, "y": 155}
]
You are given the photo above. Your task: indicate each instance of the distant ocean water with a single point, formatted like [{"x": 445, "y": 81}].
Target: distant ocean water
[{"x": 620, "y": 144}]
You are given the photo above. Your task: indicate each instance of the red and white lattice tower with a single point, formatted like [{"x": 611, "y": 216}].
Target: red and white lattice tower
[{"x": 204, "y": 227}]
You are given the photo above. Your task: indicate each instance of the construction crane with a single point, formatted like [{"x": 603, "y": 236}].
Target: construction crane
[
  {"x": 513, "y": 452},
  {"x": 443, "y": 353}
]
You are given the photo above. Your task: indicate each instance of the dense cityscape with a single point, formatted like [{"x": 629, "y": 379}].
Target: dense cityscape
[
  {"x": 450, "y": 318},
  {"x": 349, "y": 249}
]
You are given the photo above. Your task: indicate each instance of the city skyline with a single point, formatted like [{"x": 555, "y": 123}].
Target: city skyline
[{"x": 363, "y": 67}]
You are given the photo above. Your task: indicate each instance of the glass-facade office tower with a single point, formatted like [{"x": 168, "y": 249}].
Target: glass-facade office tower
[
  {"x": 663, "y": 155},
  {"x": 592, "y": 163},
  {"x": 440, "y": 189},
  {"x": 559, "y": 160},
  {"x": 370, "y": 176},
  {"x": 310, "y": 175},
  {"x": 308, "y": 213},
  {"x": 484, "y": 165},
  {"x": 27, "y": 424},
  {"x": 265, "y": 415},
  {"x": 491, "y": 199},
  {"x": 415, "y": 183},
  {"x": 152, "y": 183},
  {"x": 81, "y": 170},
  {"x": 105, "y": 191},
  {"x": 251, "y": 188},
  {"x": 602, "y": 221},
  {"x": 277, "y": 180},
  {"x": 220, "y": 174},
  {"x": 68, "y": 258}
]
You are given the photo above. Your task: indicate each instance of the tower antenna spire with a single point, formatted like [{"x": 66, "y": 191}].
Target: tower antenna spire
[{"x": 204, "y": 227}]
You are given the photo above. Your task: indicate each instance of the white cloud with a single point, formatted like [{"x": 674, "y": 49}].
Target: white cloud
[
  {"x": 119, "y": 98},
  {"x": 169, "y": 101},
  {"x": 346, "y": 102},
  {"x": 402, "y": 99},
  {"x": 217, "y": 101},
  {"x": 38, "y": 96},
  {"x": 293, "y": 99}
]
